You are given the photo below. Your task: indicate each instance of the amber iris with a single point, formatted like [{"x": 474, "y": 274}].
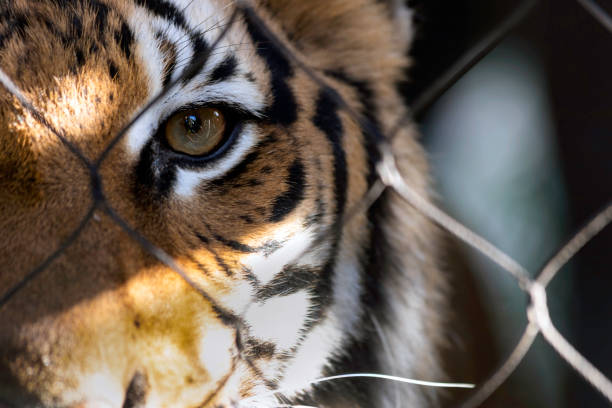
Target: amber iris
[{"x": 196, "y": 132}]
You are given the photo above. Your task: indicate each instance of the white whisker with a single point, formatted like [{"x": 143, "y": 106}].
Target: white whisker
[
  {"x": 361, "y": 375},
  {"x": 294, "y": 406}
]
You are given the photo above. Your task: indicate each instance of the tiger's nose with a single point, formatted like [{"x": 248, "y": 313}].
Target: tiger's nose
[
  {"x": 95, "y": 404},
  {"x": 136, "y": 394}
]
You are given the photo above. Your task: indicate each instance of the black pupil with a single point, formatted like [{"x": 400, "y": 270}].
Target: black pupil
[{"x": 193, "y": 124}]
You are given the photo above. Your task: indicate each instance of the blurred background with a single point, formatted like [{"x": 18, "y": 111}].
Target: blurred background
[{"x": 521, "y": 148}]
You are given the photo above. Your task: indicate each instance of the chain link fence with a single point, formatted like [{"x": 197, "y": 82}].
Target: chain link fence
[{"x": 389, "y": 178}]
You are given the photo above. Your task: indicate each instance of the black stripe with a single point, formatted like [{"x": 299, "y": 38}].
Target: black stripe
[
  {"x": 373, "y": 258},
  {"x": 17, "y": 25},
  {"x": 202, "y": 238},
  {"x": 257, "y": 349},
  {"x": 113, "y": 70},
  {"x": 267, "y": 248},
  {"x": 165, "y": 10},
  {"x": 284, "y": 107},
  {"x": 54, "y": 30},
  {"x": 290, "y": 280},
  {"x": 247, "y": 219},
  {"x": 250, "y": 277},
  {"x": 238, "y": 171},
  {"x": 328, "y": 120},
  {"x": 125, "y": 39},
  {"x": 101, "y": 11},
  {"x": 80, "y": 57},
  {"x": 154, "y": 174},
  {"x": 235, "y": 245},
  {"x": 221, "y": 263},
  {"x": 225, "y": 70},
  {"x": 219, "y": 260},
  {"x": 76, "y": 26},
  {"x": 169, "y": 57},
  {"x": 168, "y": 71},
  {"x": 369, "y": 111},
  {"x": 200, "y": 54},
  {"x": 241, "y": 169},
  {"x": 290, "y": 199}
]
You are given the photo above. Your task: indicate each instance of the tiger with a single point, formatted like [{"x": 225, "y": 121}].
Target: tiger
[{"x": 185, "y": 177}]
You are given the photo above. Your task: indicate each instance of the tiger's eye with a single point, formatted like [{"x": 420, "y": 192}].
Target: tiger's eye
[{"x": 195, "y": 132}]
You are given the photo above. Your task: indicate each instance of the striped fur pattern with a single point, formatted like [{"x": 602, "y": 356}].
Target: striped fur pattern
[{"x": 106, "y": 324}]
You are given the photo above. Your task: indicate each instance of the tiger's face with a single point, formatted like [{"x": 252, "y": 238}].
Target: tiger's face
[{"x": 235, "y": 174}]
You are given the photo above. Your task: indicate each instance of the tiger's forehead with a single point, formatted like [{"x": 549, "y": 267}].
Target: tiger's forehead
[
  {"x": 172, "y": 38},
  {"x": 97, "y": 63},
  {"x": 170, "y": 34},
  {"x": 74, "y": 62}
]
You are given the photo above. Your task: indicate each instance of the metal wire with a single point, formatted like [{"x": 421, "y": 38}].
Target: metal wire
[
  {"x": 517, "y": 355},
  {"x": 471, "y": 58},
  {"x": 389, "y": 177},
  {"x": 575, "y": 244},
  {"x": 596, "y": 11}
]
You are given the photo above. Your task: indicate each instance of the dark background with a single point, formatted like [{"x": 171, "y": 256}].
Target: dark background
[{"x": 577, "y": 59}]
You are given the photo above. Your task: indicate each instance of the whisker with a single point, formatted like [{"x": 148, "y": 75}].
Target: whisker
[
  {"x": 294, "y": 406},
  {"x": 187, "y": 36},
  {"x": 184, "y": 61},
  {"x": 435, "y": 384},
  {"x": 186, "y": 40}
]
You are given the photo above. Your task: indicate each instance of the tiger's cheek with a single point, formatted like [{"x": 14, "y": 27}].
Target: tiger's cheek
[
  {"x": 178, "y": 338},
  {"x": 154, "y": 328}
]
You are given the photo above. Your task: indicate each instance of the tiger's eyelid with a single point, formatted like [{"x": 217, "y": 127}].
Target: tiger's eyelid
[
  {"x": 225, "y": 105},
  {"x": 236, "y": 110}
]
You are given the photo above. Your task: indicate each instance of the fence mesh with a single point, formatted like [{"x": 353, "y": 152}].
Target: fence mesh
[{"x": 539, "y": 320}]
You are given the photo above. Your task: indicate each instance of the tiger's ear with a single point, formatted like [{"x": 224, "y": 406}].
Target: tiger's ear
[{"x": 362, "y": 32}]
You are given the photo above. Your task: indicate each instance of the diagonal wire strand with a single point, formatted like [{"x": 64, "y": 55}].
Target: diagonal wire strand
[
  {"x": 575, "y": 244},
  {"x": 463, "y": 65},
  {"x": 538, "y": 313},
  {"x": 392, "y": 177},
  {"x": 36, "y": 271},
  {"x": 471, "y": 58},
  {"x": 567, "y": 251},
  {"x": 10, "y": 86},
  {"x": 598, "y": 13},
  {"x": 484, "y": 391},
  {"x": 162, "y": 256}
]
